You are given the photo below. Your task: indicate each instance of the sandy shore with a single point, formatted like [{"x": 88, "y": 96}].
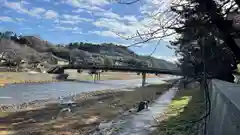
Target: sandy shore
[{"x": 89, "y": 111}]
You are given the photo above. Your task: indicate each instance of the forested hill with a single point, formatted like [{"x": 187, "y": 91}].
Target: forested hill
[{"x": 33, "y": 49}]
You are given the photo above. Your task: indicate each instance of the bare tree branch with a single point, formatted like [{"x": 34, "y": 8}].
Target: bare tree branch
[{"x": 152, "y": 38}]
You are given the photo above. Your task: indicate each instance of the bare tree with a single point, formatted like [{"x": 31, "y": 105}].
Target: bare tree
[
  {"x": 164, "y": 20},
  {"x": 160, "y": 25}
]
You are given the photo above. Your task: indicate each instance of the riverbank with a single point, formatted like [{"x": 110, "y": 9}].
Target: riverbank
[
  {"x": 7, "y": 78},
  {"x": 91, "y": 109},
  {"x": 179, "y": 119}
]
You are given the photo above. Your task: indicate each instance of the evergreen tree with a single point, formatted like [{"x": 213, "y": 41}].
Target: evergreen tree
[{"x": 202, "y": 40}]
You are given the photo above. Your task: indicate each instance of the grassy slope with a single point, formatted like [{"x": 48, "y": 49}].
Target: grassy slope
[{"x": 188, "y": 105}]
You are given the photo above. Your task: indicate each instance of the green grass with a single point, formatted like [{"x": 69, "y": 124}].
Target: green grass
[
  {"x": 188, "y": 105},
  {"x": 238, "y": 68},
  {"x": 4, "y": 114}
]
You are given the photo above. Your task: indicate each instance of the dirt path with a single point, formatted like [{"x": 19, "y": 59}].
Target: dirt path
[{"x": 90, "y": 110}]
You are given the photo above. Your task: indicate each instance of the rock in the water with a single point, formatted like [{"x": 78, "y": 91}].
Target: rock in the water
[{"x": 105, "y": 125}]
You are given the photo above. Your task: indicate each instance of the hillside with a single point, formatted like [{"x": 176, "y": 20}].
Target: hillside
[{"x": 33, "y": 49}]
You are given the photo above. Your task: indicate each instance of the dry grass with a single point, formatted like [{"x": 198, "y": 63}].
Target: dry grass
[{"x": 23, "y": 77}]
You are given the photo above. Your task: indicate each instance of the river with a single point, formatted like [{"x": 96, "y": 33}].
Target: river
[{"x": 20, "y": 93}]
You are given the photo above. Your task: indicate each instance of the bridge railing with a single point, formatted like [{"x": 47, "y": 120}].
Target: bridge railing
[{"x": 124, "y": 68}]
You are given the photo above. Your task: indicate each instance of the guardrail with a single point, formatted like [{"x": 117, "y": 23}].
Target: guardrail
[
  {"x": 119, "y": 68},
  {"x": 224, "y": 118}
]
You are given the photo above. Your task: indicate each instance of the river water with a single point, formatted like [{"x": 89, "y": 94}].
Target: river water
[{"x": 20, "y": 93}]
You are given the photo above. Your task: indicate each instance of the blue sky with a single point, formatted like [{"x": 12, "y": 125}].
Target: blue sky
[{"x": 96, "y": 21}]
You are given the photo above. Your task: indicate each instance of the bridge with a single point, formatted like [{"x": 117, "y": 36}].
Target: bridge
[{"x": 143, "y": 70}]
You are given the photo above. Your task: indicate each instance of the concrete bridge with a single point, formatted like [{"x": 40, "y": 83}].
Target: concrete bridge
[{"x": 142, "y": 70}]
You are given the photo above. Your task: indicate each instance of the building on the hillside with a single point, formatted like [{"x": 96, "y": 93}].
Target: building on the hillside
[
  {"x": 2, "y": 58},
  {"x": 96, "y": 57},
  {"x": 2, "y": 61},
  {"x": 149, "y": 64},
  {"x": 59, "y": 61},
  {"x": 118, "y": 61}
]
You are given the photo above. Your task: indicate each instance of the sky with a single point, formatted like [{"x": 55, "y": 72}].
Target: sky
[{"x": 95, "y": 21}]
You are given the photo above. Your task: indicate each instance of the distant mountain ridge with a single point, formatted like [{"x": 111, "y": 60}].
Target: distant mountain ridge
[{"x": 31, "y": 48}]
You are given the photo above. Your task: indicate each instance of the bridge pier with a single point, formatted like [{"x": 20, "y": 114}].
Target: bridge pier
[
  {"x": 99, "y": 76},
  {"x": 96, "y": 76},
  {"x": 143, "y": 79}
]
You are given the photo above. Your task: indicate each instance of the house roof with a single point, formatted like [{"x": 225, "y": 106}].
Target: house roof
[{"x": 60, "y": 59}]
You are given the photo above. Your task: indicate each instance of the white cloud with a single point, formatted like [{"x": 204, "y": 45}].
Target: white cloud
[
  {"x": 56, "y": 3},
  {"x": 130, "y": 18},
  {"x": 71, "y": 19},
  {"x": 92, "y": 8},
  {"x": 107, "y": 14},
  {"x": 119, "y": 26},
  {"x": 65, "y": 21},
  {"x": 74, "y": 3},
  {"x": 50, "y": 14},
  {"x": 89, "y": 6},
  {"x": 24, "y": 2},
  {"x": 105, "y": 33},
  {"x": 67, "y": 28},
  {"x": 78, "y": 10},
  {"x": 37, "y": 10},
  {"x": 98, "y": 2},
  {"x": 47, "y": 0},
  {"x": 77, "y": 32},
  {"x": 20, "y": 19},
  {"x": 80, "y": 3},
  {"x": 19, "y": 7},
  {"x": 6, "y": 19}
]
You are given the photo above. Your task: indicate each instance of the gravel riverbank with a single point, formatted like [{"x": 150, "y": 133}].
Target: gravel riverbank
[{"x": 89, "y": 110}]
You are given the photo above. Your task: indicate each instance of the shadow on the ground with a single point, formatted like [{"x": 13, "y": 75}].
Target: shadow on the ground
[{"x": 181, "y": 116}]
